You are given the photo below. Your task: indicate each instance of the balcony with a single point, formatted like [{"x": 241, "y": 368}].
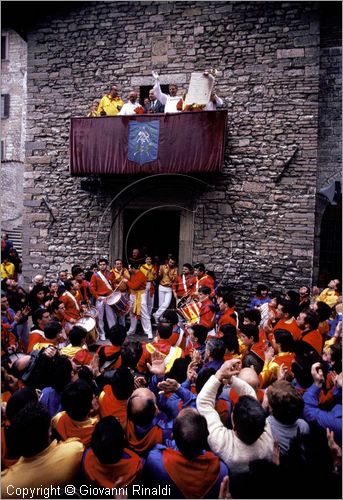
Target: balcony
[{"x": 187, "y": 142}]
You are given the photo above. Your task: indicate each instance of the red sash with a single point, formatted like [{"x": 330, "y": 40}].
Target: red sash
[
  {"x": 67, "y": 428},
  {"x": 194, "y": 478},
  {"x": 110, "y": 405},
  {"x": 107, "y": 475},
  {"x": 146, "y": 443}
]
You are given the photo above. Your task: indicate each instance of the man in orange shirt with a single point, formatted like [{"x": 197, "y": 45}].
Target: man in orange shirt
[
  {"x": 228, "y": 315},
  {"x": 285, "y": 314},
  {"x": 72, "y": 302},
  {"x": 207, "y": 310},
  {"x": 138, "y": 300},
  {"x": 184, "y": 284},
  {"x": 40, "y": 319},
  {"x": 202, "y": 279},
  {"x": 308, "y": 322}
]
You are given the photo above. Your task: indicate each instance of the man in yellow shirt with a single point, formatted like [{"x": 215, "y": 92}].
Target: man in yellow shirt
[
  {"x": 110, "y": 103},
  {"x": 331, "y": 294},
  {"x": 45, "y": 466},
  {"x": 7, "y": 269}
]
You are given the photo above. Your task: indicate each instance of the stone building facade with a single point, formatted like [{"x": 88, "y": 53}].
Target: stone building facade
[
  {"x": 255, "y": 221},
  {"x": 13, "y": 127}
]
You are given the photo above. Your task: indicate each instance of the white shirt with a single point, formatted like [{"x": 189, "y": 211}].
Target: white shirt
[
  {"x": 212, "y": 106},
  {"x": 167, "y": 100},
  {"x": 129, "y": 108}
]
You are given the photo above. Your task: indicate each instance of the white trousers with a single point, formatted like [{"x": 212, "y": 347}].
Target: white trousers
[
  {"x": 149, "y": 298},
  {"x": 102, "y": 309},
  {"x": 145, "y": 316},
  {"x": 165, "y": 295}
]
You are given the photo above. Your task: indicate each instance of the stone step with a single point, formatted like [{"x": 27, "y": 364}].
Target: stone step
[{"x": 16, "y": 235}]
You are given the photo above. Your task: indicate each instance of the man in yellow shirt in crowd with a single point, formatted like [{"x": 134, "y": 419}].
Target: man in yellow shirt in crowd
[
  {"x": 7, "y": 269},
  {"x": 110, "y": 104}
]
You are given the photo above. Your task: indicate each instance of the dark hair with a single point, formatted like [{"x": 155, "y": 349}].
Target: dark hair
[
  {"x": 170, "y": 316},
  {"x": 253, "y": 315},
  {"x": 293, "y": 295},
  {"x": 52, "y": 329},
  {"x": 289, "y": 307},
  {"x": 76, "y": 335},
  {"x": 122, "y": 383},
  {"x": 31, "y": 426},
  {"x": 178, "y": 371},
  {"x": 285, "y": 401},
  {"x": 103, "y": 260},
  {"x": 229, "y": 299},
  {"x": 108, "y": 440},
  {"x": 251, "y": 359},
  {"x": 117, "y": 335},
  {"x": 190, "y": 433},
  {"x": 251, "y": 331},
  {"x": 77, "y": 399},
  {"x": 206, "y": 290},
  {"x": 38, "y": 315},
  {"x": 249, "y": 419},
  {"x": 312, "y": 318},
  {"x": 230, "y": 338},
  {"x": 131, "y": 352},
  {"x": 260, "y": 288},
  {"x": 216, "y": 348},
  {"x": 202, "y": 378},
  {"x": 61, "y": 375},
  {"x": 285, "y": 339},
  {"x": 76, "y": 270},
  {"x": 200, "y": 267},
  {"x": 302, "y": 363},
  {"x": 189, "y": 266},
  {"x": 200, "y": 332},
  {"x": 19, "y": 400},
  {"x": 323, "y": 310},
  {"x": 54, "y": 306},
  {"x": 145, "y": 415},
  {"x": 164, "y": 330},
  {"x": 68, "y": 284}
]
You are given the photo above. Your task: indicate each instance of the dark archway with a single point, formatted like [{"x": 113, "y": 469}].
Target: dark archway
[
  {"x": 156, "y": 232},
  {"x": 330, "y": 257}
]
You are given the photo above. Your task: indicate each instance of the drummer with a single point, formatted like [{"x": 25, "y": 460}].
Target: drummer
[
  {"x": 72, "y": 303},
  {"x": 101, "y": 288},
  {"x": 118, "y": 272}
]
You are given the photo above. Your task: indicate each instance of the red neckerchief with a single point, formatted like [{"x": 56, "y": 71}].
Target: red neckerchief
[
  {"x": 194, "y": 478},
  {"x": 146, "y": 443},
  {"x": 106, "y": 475}
]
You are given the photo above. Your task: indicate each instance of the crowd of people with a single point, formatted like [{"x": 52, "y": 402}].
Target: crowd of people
[
  {"x": 143, "y": 379},
  {"x": 157, "y": 102}
]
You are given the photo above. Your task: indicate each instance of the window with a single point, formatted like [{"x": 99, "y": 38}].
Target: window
[
  {"x": 5, "y": 105},
  {"x": 4, "y": 47},
  {"x": 2, "y": 150}
]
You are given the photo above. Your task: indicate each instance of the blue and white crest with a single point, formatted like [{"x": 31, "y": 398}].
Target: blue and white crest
[{"x": 143, "y": 141}]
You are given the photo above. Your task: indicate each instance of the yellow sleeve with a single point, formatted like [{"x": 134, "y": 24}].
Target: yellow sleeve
[
  {"x": 100, "y": 106},
  {"x": 269, "y": 373}
]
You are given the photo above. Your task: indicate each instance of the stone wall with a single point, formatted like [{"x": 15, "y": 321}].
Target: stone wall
[
  {"x": 258, "y": 223},
  {"x": 13, "y": 82}
]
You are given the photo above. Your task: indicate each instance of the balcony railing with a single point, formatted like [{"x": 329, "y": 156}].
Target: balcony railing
[{"x": 158, "y": 143}]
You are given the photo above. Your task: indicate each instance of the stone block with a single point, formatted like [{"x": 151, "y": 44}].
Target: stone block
[{"x": 289, "y": 53}]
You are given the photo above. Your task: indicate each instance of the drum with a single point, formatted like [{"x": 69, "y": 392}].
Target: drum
[
  {"x": 89, "y": 324},
  {"x": 91, "y": 312},
  {"x": 190, "y": 312},
  {"x": 119, "y": 302}
]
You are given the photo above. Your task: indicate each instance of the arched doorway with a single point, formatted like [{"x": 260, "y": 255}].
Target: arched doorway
[{"x": 330, "y": 255}]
